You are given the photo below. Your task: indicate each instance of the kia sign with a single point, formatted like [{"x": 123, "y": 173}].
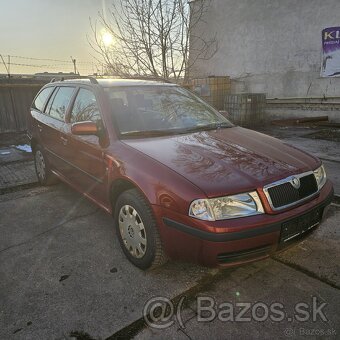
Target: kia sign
[{"x": 330, "y": 52}]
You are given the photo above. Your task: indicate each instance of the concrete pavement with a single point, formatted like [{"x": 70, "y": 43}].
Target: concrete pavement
[
  {"x": 62, "y": 271},
  {"x": 310, "y": 270},
  {"x": 16, "y": 169}
]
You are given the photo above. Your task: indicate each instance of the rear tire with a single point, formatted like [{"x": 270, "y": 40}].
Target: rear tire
[
  {"x": 137, "y": 231},
  {"x": 42, "y": 167}
]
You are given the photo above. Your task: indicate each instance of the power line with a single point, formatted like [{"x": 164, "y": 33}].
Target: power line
[
  {"x": 44, "y": 59},
  {"x": 47, "y": 59},
  {"x": 34, "y": 65},
  {"x": 50, "y": 64},
  {"x": 51, "y": 67}
]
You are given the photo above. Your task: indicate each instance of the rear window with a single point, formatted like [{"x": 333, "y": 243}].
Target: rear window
[{"x": 40, "y": 101}]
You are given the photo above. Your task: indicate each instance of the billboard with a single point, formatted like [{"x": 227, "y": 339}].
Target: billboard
[{"x": 330, "y": 66}]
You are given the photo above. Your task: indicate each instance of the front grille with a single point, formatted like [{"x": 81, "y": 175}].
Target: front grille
[{"x": 285, "y": 194}]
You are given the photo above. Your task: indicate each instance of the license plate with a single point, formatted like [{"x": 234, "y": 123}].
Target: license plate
[{"x": 300, "y": 225}]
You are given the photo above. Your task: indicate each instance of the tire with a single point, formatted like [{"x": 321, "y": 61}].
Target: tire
[
  {"x": 137, "y": 231},
  {"x": 42, "y": 167}
]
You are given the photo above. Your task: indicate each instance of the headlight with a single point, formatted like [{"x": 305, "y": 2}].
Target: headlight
[
  {"x": 222, "y": 208},
  {"x": 320, "y": 176}
]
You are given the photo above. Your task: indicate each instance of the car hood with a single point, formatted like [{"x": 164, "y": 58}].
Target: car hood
[{"x": 226, "y": 161}]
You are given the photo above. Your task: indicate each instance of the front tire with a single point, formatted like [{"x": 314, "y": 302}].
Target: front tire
[
  {"x": 42, "y": 167},
  {"x": 137, "y": 231}
]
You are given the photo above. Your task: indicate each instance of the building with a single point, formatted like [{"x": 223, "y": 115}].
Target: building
[{"x": 269, "y": 46}]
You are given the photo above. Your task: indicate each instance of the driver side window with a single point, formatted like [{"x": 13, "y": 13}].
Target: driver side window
[{"x": 85, "y": 107}]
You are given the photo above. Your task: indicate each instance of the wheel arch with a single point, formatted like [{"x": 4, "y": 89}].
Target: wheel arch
[{"x": 120, "y": 185}]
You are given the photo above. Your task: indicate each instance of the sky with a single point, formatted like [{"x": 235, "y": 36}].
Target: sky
[{"x": 48, "y": 29}]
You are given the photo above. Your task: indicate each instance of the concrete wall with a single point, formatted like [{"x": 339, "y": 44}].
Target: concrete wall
[{"x": 270, "y": 46}]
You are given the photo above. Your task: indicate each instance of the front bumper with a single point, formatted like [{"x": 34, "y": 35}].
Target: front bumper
[{"x": 232, "y": 242}]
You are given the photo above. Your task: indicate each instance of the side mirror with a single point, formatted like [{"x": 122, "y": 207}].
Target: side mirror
[{"x": 85, "y": 128}]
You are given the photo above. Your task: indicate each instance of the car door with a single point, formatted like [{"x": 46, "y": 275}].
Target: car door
[
  {"x": 38, "y": 119},
  {"x": 84, "y": 151},
  {"x": 54, "y": 129}
]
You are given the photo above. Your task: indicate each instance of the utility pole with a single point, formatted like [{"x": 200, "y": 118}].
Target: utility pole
[
  {"x": 6, "y": 67},
  {"x": 9, "y": 65},
  {"x": 74, "y": 65}
]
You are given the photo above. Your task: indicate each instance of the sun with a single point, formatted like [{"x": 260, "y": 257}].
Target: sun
[{"x": 107, "y": 38}]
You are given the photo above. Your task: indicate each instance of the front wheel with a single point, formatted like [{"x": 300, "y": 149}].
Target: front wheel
[
  {"x": 137, "y": 231},
  {"x": 42, "y": 167}
]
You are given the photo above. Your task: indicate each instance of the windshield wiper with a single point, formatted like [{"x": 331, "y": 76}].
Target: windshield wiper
[
  {"x": 155, "y": 133},
  {"x": 148, "y": 133},
  {"x": 212, "y": 126},
  {"x": 219, "y": 125}
]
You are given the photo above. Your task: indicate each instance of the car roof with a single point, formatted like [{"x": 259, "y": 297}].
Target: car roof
[{"x": 112, "y": 82}]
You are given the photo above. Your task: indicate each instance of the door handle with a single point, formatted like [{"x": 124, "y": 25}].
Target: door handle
[{"x": 64, "y": 140}]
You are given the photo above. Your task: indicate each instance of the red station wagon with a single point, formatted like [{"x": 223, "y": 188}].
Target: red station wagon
[{"x": 180, "y": 180}]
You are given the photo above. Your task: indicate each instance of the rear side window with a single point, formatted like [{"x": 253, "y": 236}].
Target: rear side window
[
  {"x": 41, "y": 98},
  {"x": 60, "y": 103},
  {"x": 85, "y": 107}
]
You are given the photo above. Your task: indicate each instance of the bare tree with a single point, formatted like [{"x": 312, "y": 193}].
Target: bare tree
[{"x": 152, "y": 37}]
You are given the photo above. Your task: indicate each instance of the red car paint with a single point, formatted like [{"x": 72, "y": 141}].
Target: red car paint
[{"x": 172, "y": 171}]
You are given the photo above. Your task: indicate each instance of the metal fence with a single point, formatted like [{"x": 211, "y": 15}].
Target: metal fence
[
  {"x": 16, "y": 97},
  {"x": 247, "y": 109}
]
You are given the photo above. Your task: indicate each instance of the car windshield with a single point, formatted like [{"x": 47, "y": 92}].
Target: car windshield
[{"x": 161, "y": 110}]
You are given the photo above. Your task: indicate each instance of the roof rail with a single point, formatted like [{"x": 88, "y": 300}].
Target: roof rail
[
  {"x": 94, "y": 80},
  {"x": 137, "y": 77},
  {"x": 155, "y": 78}
]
